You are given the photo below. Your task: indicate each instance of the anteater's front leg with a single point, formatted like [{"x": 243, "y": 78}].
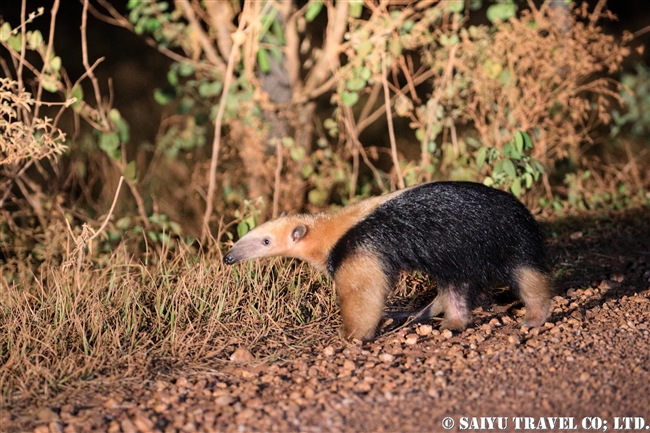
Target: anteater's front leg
[{"x": 361, "y": 285}]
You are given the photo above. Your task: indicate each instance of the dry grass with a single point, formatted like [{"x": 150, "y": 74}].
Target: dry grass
[{"x": 127, "y": 317}]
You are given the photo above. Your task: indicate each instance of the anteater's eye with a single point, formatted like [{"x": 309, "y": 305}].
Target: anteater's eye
[{"x": 266, "y": 241}]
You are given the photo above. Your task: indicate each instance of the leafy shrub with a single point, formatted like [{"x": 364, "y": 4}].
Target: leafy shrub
[{"x": 507, "y": 101}]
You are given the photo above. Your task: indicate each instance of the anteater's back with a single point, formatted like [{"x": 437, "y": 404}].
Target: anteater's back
[{"x": 457, "y": 232}]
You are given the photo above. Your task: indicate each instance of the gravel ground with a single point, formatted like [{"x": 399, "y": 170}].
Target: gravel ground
[{"x": 589, "y": 364}]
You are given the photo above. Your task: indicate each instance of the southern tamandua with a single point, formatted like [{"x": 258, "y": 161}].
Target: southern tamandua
[{"x": 465, "y": 235}]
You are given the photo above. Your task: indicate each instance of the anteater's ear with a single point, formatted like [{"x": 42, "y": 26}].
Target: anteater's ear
[
  {"x": 298, "y": 232},
  {"x": 283, "y": 214}
]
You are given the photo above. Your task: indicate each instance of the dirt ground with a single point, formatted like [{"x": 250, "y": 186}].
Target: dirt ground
[{"x": 587, "y": 368}]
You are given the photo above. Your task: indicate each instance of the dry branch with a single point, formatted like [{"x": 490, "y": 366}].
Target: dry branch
[{"x": 389, "y": 118}]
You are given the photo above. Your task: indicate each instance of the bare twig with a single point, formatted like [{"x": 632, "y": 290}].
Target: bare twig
[
  {"x": 363, "y": 124},
  {"x": 278, "y": 177},
  {"x": 431, "y": 120},
  {"x": 91, "y": 74},
  {"x": 116, "y": 19},
  {"x": 139, "y": 203},
  {"x": 204, "y": 40},
  {"x": 641, "y": 32},
  {"x": 238, "y": 40},
  {"x": 389, "y": 118},
  {"x": 221, "y": 19},
  {"x": 292, "y": 51},
  {"x": 46, "y": 58},
  {"x": 353, "y": 134},
  {"x": 596, "y": 13},
  {"x": 23, "y": 32},
  {"x": 329, "y": 59},
  {"x": 110, "y": 211},
  {"x": 370, "y": 102}
]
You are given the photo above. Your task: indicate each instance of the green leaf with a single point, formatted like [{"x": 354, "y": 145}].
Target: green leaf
[
  {"x": 49, "y": 83},
  {"x": 501, "y": 11},
  {"x": 162, "y": 97},
  {"x": 297, "y": 153},
  {"x": 15, "y": 42},
  {"x": 129, "y": 171},
  {"x": 349, "y": 98},
  {"x": 476, "y": 4},
  {"x": 407, "y": 26},
  {"x": 263, "y": 60},
  {"x": 123, "y": 223},
  {"x": 317, "y": 197},
  {"x": 456, "y": 5},
  {"x": 509, "y": 168},
  {"x": 110, "y": 143},
  {"x": 172, "y": 77},
  {"x": 267, "y": 21},
  {"x": 34, "y": 39},
  {"x": 152, "y": 24},
  {"x": 185, "y": 69},
  {"x": 529, "y": 180},
  {"x": 364, "y": 49},
  {"x": 175, "y": 227},
  {"x": 365, "y": 73},
  {"x": 480, "y": 156},
  {"x": 330, "y": 123},
  {"x": 185, "y": 105},
  {"x": 208, "y": 89},
  {"x": 528, "y": 142},
  {"x": 356, "y": 8},
  {"x": 121, "y": 125},
  {"x": 78, "y": 94},
  {"x": 313, "y": 10},
  {"x": 355, "y": 84},
  {"x": 123, "y": 130},
  {"x": 511, "y": 151},
  {"x": 242, "y": 228},
  {"x": 516, "y": 188},
  {"x": 339, "y": 175},
  {"x": 307, "y": 171},
  {"x": 153, "y": 236},
  {"x": 5, "y": 32},
  {"x": 519, "y": 141},
  {"x": 55, "y": 64},
  {"x": 488, "y": 181},
  {"x": 114, "y": 115}
]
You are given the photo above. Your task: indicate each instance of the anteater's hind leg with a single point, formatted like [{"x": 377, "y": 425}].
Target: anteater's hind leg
[
  {"x": 361, "y": 285},
  {"x": 536, "y": 291},
  {"x": 452, "y": 301}
]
